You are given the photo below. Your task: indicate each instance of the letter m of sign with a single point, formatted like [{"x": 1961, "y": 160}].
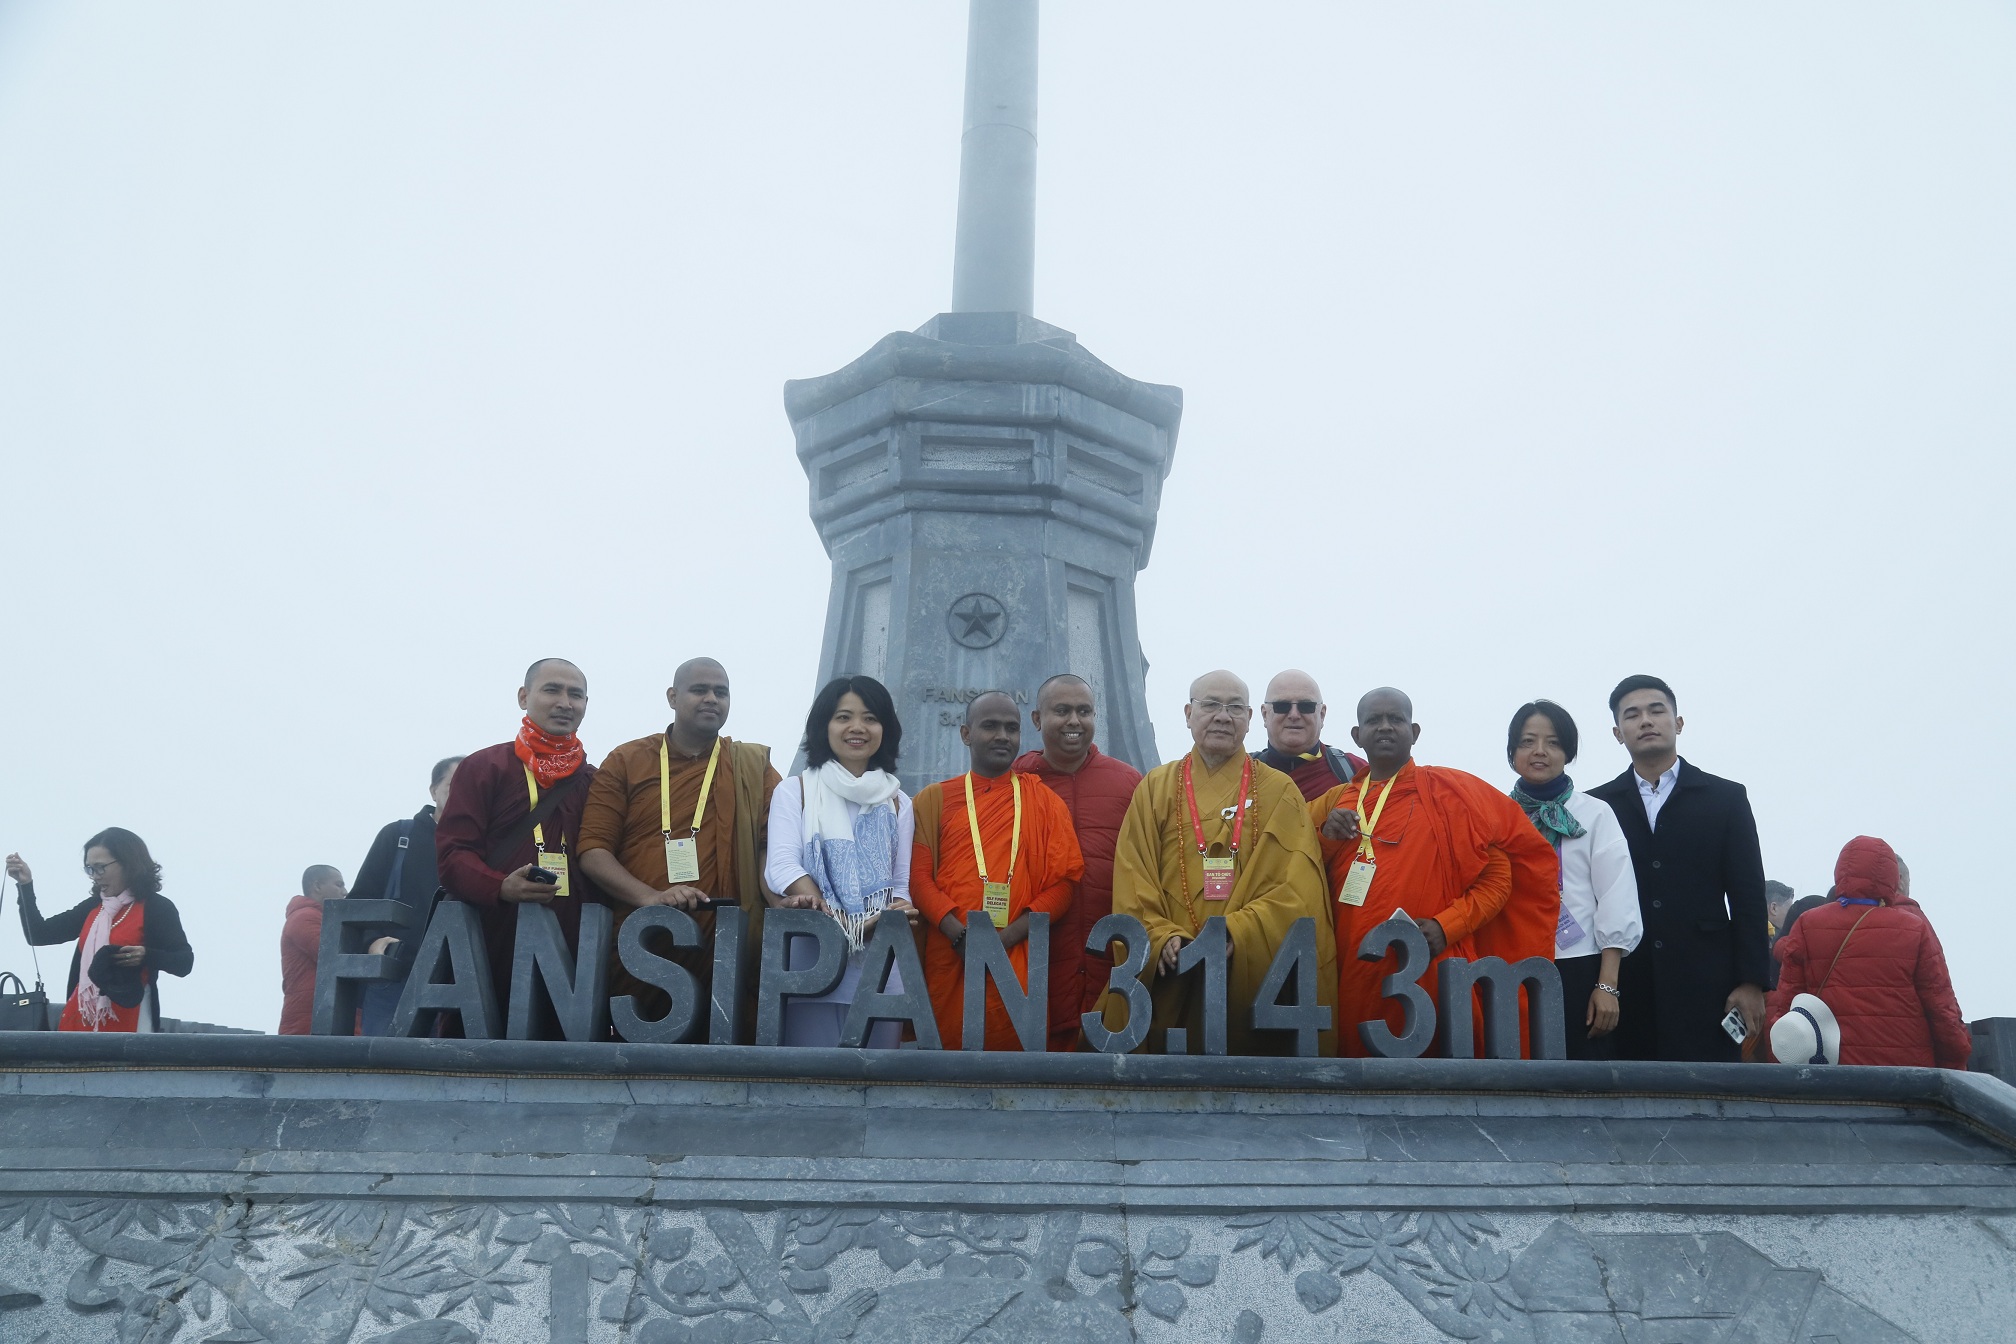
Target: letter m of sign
[{"x": 1457, "y": 982}]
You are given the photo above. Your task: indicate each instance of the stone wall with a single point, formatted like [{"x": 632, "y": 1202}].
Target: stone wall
[{"x": 311, "y": 1191}]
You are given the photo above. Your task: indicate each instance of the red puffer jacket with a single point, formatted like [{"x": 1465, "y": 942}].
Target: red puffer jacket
[{"x": 1889, "y": 989}]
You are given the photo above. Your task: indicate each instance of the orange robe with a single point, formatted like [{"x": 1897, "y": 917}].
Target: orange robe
[
  {"x": 945, "y": 880},
  {"x": 1451, "y": 848}
]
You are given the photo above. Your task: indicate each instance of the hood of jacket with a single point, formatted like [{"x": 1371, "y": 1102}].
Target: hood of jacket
[{"x": 1866, "y": 870}]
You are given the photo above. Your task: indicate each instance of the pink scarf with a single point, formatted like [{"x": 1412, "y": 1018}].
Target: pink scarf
[{"x": 92, "y": 1005}]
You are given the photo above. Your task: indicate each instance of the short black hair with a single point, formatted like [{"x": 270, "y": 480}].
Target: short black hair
[
  {"x": 819, "y": 750},
  {"x": 1564, "y": 727},
  {"x": 315, "y": 874},
  {"x": 1643, "y": 682},
  {"x": 441, "y": 769},
  {"x": 143, "y": 875}
]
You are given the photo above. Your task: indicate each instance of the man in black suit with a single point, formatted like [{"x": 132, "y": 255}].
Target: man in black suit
[{"x": 1700, "y": 889}]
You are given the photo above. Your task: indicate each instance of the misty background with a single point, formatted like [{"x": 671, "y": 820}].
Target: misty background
[{"x": 354, "y": 355}]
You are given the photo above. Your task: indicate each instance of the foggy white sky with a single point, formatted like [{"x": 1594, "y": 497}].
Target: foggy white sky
[{"x": 353, "y": 355}]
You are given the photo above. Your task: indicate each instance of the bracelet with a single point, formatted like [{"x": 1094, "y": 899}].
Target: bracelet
[{"x": 1611, "y": 990}]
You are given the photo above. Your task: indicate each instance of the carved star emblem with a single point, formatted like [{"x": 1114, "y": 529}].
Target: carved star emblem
[{"x": 977, "y": 620}]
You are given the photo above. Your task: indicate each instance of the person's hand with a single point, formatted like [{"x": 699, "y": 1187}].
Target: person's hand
[
  {"x": 1748, "y": 1000},
  {"x": 519, "y": 889},
  {"x": 129, "y": 956},
  {"x": 380, "y": 946},
  {"x": 954, "y": 931},
  {"x": 1172, "y": 948},
  {"x": 18, "y": 870},
  {"x": 1016, "y": 930},
  {"x": 1438, "y": 942},
  {"x": 683, "y": 897},
  {"x": 810, "y": 900},
  {"x": 903, "y": 908},
  {"x": 1604, "y": 1010},
  {"x": 1341, "y": 824}
]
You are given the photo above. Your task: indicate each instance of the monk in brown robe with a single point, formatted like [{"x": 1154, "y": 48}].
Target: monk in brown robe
[
  {"x": 1452, "y": 851},
  {"x": 688, "y": 797},
  {"x": 1025, "y": 841},
  {"x": 1246, "y": 850}
]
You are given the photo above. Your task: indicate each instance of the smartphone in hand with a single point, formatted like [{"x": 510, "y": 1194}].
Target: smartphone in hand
[
  {"x": 541, "y": 875},
  {"x": 1733, "y": 1024}
]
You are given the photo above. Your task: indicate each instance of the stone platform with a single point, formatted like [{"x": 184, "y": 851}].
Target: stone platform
[{"x": 322, "y": 1191}]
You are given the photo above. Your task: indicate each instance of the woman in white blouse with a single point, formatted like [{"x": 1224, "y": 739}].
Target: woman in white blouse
[
  {"x": 1599, "y": 923},
  {"x": 840, "y": 836}
]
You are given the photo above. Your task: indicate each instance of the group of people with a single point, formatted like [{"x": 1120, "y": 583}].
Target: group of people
[{"x": 1647, "y": 891}]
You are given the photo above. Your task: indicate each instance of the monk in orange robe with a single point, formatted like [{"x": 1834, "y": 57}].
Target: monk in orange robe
[
  {"x": 1449, "y": 849},
  {"x": 1035, "y": 855}
]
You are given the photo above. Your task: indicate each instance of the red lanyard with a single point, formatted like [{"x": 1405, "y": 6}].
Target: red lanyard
[{"x": 1238, "y": 813}]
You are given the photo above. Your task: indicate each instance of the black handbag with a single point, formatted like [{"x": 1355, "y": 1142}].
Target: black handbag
[{"x": 22, "y": 1009}]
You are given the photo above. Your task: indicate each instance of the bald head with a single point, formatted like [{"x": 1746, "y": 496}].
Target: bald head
[
  {"x": 992, "y": 733},
  {"x": 1386, "y": 731},
  {"x": 1299, "y": 728},
  {"x": 1218, "y": 714},
  {"x": 533, "y": 672},
  {"x": 1065, "y": 718},
  {"x": 699, "y": 700}
]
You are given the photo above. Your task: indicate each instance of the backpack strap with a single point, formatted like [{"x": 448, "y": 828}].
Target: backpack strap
[{"x": 1844, "y": 947}]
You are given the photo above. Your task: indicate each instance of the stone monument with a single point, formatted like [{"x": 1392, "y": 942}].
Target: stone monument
[{"x": 985, "y": 487}]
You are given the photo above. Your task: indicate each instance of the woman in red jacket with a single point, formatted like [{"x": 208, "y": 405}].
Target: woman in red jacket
[{"x": 1878, "y": 966}]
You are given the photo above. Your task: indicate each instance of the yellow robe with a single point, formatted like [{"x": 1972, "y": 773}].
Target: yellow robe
[{"x": 1279, "y": 880}]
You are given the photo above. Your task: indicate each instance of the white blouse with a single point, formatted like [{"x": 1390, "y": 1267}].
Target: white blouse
[
  {"x": 1599, "y": 890},
  {"x": 784, "y": 863}
]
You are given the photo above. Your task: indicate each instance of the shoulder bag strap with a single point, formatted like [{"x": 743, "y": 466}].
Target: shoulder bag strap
[
  {"x": 1843, "y": 948},
  {"x": 500, "y": 853}
]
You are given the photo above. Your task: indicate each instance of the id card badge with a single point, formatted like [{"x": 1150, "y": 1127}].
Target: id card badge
[
  {"x": 1219, "y": 870},
  {"x": 682, "y": 860},
  {"x": 1357, "y": 883},
  {"x": 556, "y": 864},
  {"x": 994, "y": 900}
]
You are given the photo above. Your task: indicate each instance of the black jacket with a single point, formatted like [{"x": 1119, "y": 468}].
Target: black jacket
[
  {"x": 1701, "y": 893},
  {"x": 167, "y": 946},
  {"x": 419, "y": 879}
]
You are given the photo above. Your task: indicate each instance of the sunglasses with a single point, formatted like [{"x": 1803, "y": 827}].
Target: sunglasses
[{"x": 1284, "y": 706}]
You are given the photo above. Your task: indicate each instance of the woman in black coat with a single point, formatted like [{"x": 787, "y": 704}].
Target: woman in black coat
[{"x": 130, "y": 931}]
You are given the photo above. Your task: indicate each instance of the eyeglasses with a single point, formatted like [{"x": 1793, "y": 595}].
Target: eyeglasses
[
  {"x": 1297, "y": 706},
  {"x": 99, "y": 869},
  {"x": 1232, "y": 707}
]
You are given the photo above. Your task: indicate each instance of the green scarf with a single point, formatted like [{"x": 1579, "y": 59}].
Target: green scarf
[{"x": 1550, "y": 815}]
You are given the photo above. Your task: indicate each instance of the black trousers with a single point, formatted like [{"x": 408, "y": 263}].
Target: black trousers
[{"x": 1578, "y": 981}]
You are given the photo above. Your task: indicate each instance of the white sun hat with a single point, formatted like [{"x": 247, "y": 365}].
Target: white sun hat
[{"x": 1808, "y": 1033}]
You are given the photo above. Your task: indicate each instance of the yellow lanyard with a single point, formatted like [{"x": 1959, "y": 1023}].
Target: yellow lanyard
[
  {"x": 1365, "y": 828},
  {"x": 538, "y": 830},
  {"x": 665, "y": 787},
  {"x": 973, "y": 821}
]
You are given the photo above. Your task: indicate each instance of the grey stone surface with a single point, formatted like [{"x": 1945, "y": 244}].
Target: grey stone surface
[
  {"x": 323, "y": 1191},
  {"x": 987, "y": 490}
]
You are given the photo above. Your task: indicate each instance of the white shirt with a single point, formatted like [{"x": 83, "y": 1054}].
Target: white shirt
[
  {"x": 1655, "y": 794},
  {"x": 784, "y": 863},
  {"x": 1599, "y": 890}
]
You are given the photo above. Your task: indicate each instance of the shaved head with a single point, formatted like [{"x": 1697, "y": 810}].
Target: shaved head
[
  {"x": 693, "y": 666},
  {"x": 1382, "y": 694},
  {"x": 1294, "y": 684},
  {"x": 532, "y": 672},
  {"x": 1219, "y": 685},
  {"x": 1071, "y": 679},
  {"x": 1064, "y": 718},
  {"x": 990, "y": 700}
]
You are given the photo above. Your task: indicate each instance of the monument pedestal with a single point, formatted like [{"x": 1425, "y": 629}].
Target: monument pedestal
[{"x": 987, "y": 490}]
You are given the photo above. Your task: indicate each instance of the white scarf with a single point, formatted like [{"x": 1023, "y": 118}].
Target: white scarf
[
  {"x": 830, "y": 788},
  {"x": 92, "y": 1005}
]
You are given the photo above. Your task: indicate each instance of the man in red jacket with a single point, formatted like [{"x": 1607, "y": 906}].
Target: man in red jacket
[
  {"x": 1877, "y": 966},
  {"x": 301, "y": 943},
  {"x": 1096, "y": 788}
]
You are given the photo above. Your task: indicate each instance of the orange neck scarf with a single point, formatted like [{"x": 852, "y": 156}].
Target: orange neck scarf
[{"x": 551, "y": 759}]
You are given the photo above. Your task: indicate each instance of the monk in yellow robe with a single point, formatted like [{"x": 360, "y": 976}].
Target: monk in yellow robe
[
  {"x": 1218, "y": 833},
  {"x": 1442, "y": 845},
  {"x": 1024, "y": 842}
]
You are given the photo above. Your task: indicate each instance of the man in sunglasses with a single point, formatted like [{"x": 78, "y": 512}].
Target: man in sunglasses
[{"x": 1292, "y": 712}]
